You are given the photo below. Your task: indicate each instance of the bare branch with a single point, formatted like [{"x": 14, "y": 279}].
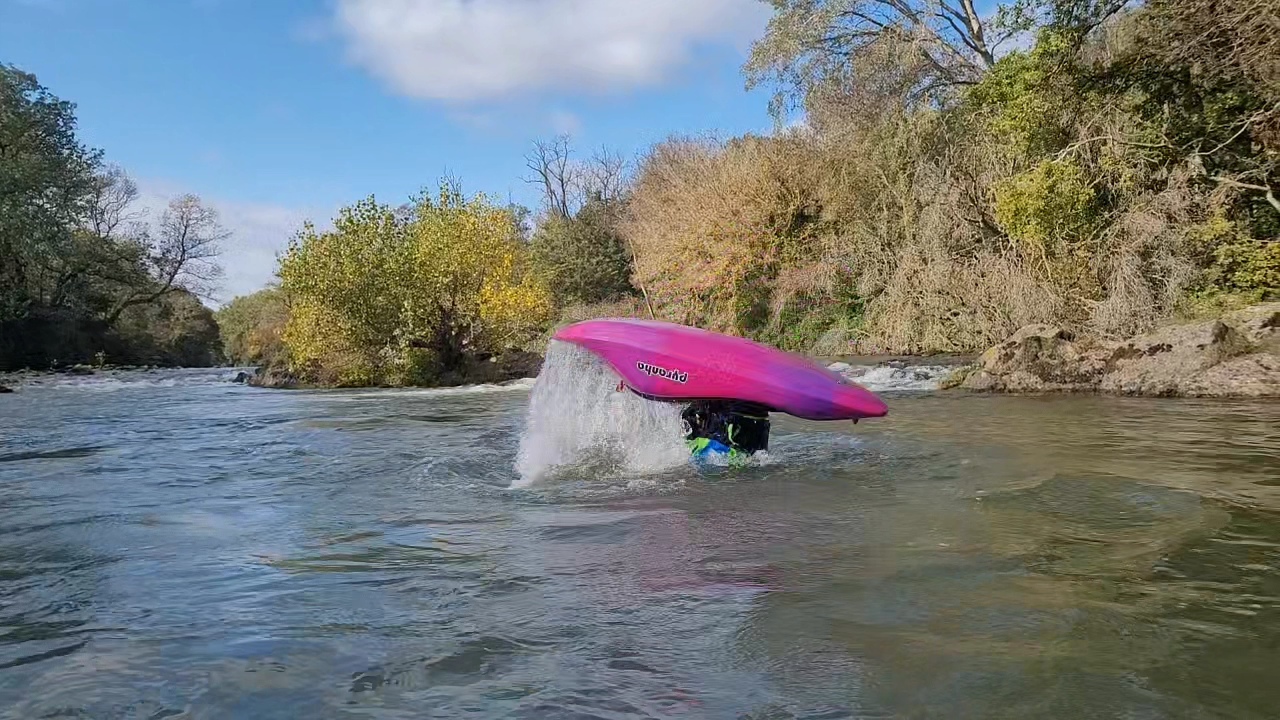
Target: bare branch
[
  {"x": 181, "y": 257},
  {"x": 1270, "y": 193},
  {"x": 605, "y": 175},
  {"x": 112, "y": 195},
  {"x": 550, "y": 161}
]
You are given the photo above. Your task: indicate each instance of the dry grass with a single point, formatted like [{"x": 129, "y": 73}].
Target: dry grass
[
  {"x": 713, "y": 224},
  {"x": 894, "y": 218}
]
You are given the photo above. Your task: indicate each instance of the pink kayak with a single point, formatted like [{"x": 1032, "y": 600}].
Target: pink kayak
[{"x": 666, "y": 361}]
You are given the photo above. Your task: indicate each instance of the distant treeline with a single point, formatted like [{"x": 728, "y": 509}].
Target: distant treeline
[{"x": 83, "y": 276}]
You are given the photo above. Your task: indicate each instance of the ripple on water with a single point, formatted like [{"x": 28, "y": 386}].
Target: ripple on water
[{"x": 211, "y": 550}]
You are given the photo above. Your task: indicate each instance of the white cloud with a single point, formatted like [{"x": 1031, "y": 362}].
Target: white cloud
[
  {"x": 563, "y": 122},
  {"x": 258, "y": 232},
  {"x": 481, "y": 50}
]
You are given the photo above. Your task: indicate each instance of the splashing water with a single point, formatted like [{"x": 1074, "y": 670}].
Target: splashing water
[
  {"x": 890, "y": 376},
  {"x": 577, "y": 417}
]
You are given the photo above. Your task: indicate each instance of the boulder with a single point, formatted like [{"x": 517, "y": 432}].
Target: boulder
[
  {"x": 1260, "y": 325},
  {"x": 1237, "y": 355},
  {"x": 4, "y": 390},
  {"x": 1039, "y": 358},
  {"x": 241, "y": 377},
  {"x": 274, "y": 377},
  {"x": 518, "y": 364},
  {"x": 1173, "y": 360}
]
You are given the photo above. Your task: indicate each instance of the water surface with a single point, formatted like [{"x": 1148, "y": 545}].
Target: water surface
[{"x": 174, "y": 545}]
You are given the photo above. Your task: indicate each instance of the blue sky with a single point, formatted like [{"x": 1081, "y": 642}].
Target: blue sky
[{"x": 278, "y": 111}]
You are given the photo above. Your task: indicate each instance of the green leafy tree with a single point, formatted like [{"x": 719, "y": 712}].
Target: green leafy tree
[
  {"x": 583, "y": 258},
  {"x": 75, "y": 256},
  {"x": 252, "y": 327},
  {"x": 398, "y": 298},
  {"x": 175, "y": 330},
  {"x": 47, "y": 178}
]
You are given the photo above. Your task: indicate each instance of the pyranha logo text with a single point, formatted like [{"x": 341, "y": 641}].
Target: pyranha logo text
[{"x": 648, "y": 369}]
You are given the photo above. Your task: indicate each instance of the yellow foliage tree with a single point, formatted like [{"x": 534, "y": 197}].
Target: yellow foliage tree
[{"x": 395, "y": 297}]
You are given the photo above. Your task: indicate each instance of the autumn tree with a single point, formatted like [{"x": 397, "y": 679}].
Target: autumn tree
[
  {"x": 404, "y": 298},
  {"x": 252, "y": 327}
]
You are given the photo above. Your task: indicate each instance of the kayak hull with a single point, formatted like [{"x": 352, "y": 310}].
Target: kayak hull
[{"x": 666, "y": 361}]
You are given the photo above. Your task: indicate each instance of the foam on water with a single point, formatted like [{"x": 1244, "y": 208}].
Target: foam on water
[
  {"x": 509, "y": 386},
  {"x": 891, "y": 376},
  {"x": 577, "y": 418},
  {"x": 111, "y": 380}
]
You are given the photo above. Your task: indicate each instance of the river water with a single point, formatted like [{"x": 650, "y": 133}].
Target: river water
[{"x": 173, "y": 545}]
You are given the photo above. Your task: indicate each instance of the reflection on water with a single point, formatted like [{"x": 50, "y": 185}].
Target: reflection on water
[{"x": 184, "y": 547}]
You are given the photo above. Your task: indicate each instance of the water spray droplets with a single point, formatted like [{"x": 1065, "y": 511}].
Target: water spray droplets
[{"x": 579, "y": 422}]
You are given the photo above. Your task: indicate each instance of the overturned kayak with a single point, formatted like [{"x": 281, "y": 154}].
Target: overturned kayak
[{"x": 666, "y": 361}]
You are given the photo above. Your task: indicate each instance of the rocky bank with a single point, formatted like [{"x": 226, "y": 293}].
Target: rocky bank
[{"x": 1237, "y": 355}]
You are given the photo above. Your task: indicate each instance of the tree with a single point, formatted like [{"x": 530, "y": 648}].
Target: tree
[
  {"x": 811, "y": 43},
  {"x": 181, "y": 257},
  {"x": 252, "y": 327},
  {"x": 46, "y": 179},
  {"x": 576, "y": 247},
  {"x": 584, "y": 258},
  {"x": 394, "y": 298},
  {"x": 928, "y": 48},
  {"x": 1235, "y": 40},
  {"x": 75, "y": 254},
  {"x": 105, "y": 247},
  {"x": 1211, "y": 71},
  {"x": 558, "y": 175},
  {"x": 176, "y": 329},
  {"x": 567, "y": 184}
]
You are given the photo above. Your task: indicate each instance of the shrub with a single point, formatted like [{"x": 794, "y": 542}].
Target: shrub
[{"x": 393, "y": 297}]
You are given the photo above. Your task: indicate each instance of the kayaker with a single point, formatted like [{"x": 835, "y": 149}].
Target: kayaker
[{"x": 728, "y": 427}]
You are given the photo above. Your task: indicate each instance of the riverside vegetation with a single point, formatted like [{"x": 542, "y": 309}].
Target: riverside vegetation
[
  {"x": 85, "y": 277},
  {"x": 944, "y": 191},
  {"x": 1095, "y": 167}
]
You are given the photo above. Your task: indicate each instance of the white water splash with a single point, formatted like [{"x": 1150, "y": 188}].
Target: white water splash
[
  {"x": 113, "y": 379},
  {"x": 891, "y": 376},
  {"x": 509, "y": 386},
  {"x": 577, "y": 416}
]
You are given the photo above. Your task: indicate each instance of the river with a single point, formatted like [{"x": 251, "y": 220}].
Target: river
[{"x": 173, "y": 545}]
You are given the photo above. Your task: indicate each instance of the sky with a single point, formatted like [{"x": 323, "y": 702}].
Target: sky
[{"x": 278, "y": 112}]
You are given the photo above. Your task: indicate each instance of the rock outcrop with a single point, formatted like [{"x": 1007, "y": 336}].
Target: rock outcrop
[
  {"x": 277, "y": 378},
  {"x": 1237, "y": 355}
]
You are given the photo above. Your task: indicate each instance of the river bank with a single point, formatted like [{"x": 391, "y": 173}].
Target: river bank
[{"x": 1235, "y": 355}]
